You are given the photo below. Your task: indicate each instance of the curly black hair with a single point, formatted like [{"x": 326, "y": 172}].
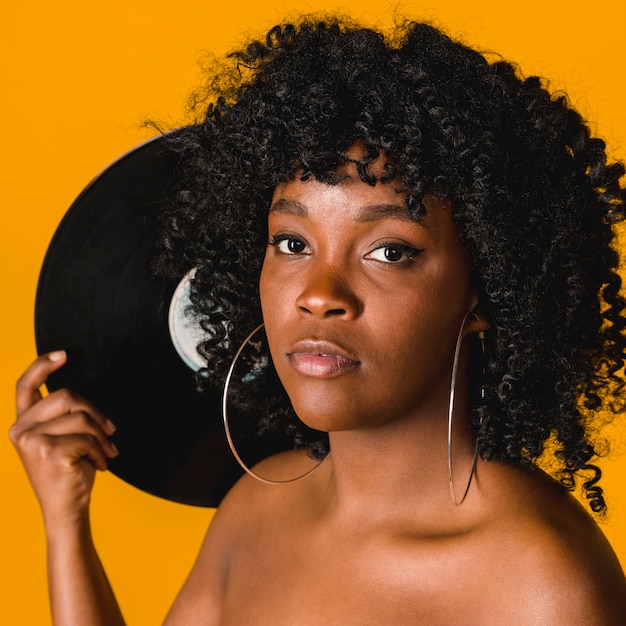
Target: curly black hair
[{"x": 534, "y": 197}]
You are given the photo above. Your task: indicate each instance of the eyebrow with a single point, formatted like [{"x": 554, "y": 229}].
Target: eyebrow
[{"x": 367, "y": 213}]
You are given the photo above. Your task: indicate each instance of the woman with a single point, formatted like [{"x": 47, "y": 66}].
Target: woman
[{"x": 428, "y": 240}]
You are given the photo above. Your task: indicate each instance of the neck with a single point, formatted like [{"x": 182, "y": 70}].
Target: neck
[{"x": 401, "y": 467}]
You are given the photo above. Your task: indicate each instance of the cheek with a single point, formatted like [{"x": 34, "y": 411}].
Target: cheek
[
  {"x": 277, "y": 298},
  {"x": 263, "y": 288},
  {"x": 267, "y": 290},
  {"x": 419, "y": 334},
  {"x": 274, "y": 295}
]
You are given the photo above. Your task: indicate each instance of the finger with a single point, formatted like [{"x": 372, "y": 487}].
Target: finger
[
  {"x": 82, "y": 447},
  {"x": 29, "y": 383},
  {"x": 64, "y": 401},
  {"x": 76, "y": 423},
  {"x": 61, "y": 402},
  {"x": 67, "y": 450}
]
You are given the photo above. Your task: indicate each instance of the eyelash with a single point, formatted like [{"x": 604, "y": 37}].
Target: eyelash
[
  {"x": 403, "y": 248},
  {"x": 276, "y": 240}
]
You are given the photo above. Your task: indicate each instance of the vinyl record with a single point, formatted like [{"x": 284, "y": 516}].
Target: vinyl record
[{"x": 98, "y": 299}]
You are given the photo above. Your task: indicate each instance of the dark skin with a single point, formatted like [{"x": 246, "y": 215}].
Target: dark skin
[{"x": 362, "y": 308}]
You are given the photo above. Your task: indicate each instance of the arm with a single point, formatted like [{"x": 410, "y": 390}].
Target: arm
[
  {"x": 200, "y": 601},
  {"x": 62, "y": 440},
  {"x": 80, "y": 593},
  {"x": 203, "y": 599}
]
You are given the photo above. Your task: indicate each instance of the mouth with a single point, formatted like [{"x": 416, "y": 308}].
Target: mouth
[{"x": 318, "y": 359}]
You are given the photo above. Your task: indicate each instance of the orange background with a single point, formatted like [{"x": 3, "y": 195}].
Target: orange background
[{"x": 78, "y": 79}]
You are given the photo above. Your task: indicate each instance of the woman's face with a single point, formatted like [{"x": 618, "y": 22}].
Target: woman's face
[{"x": 362, "y": 305}]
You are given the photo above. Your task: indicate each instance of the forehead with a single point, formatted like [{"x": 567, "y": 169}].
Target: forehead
[
  {"x": 347, "y": 188},
  {"x": 349, "y": 195}
]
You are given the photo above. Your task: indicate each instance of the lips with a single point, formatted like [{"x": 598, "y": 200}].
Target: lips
[{"x": 320, "y": 359}]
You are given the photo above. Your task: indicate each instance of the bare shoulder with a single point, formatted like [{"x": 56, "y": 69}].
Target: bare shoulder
[
  {"x": 558, "y": 567},
  {"x": 250, "y": 500},
  {"x": 563, "y": 578},
  {"x": 248, "y": 508}
]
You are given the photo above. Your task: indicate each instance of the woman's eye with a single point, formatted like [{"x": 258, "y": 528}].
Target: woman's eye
[
  {"x": 393, "y": 253},
  {"x": 287, "y": 244}
]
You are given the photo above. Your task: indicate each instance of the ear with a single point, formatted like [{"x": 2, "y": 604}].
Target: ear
[{"x": 477, "y": 321}]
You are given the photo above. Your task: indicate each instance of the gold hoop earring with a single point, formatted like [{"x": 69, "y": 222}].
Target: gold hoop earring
[
  {"x": 455, "y": 366},
  {"x": 250, "y": 376}
]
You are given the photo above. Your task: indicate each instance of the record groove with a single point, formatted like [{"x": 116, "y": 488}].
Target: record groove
[{"x": 97, "y": 299}]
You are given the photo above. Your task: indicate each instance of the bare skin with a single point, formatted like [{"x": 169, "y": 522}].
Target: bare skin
[
  {"x": 362, "y": 308},
  {"x": 62, "y": 440},
  {"x": 298, "y": 559}
]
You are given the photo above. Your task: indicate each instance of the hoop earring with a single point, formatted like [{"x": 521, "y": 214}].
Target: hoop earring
[
  {"x": 229, "y": 437},
  {"x": 455, "y": 366}
]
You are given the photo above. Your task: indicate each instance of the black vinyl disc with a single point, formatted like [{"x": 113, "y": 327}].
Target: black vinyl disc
[{"x": 98, "y": 299}]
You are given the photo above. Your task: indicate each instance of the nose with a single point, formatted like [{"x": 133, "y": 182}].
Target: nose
[{"x": 327, "y": 292}]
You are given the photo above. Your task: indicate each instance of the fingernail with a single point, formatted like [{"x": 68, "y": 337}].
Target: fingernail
[
  {"x": 110, "y": 426},
  {"x": 114, "y": 448},
  {"x": 57, "y": 356}
]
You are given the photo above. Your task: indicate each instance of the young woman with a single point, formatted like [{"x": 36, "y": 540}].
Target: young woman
[{"x": 428, "y": 240}]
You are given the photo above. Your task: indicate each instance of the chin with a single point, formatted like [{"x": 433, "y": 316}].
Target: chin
[{"x": 327, "y": 417}]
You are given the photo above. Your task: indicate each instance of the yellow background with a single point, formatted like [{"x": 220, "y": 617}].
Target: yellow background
[{"x": 77, "y": 80}]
